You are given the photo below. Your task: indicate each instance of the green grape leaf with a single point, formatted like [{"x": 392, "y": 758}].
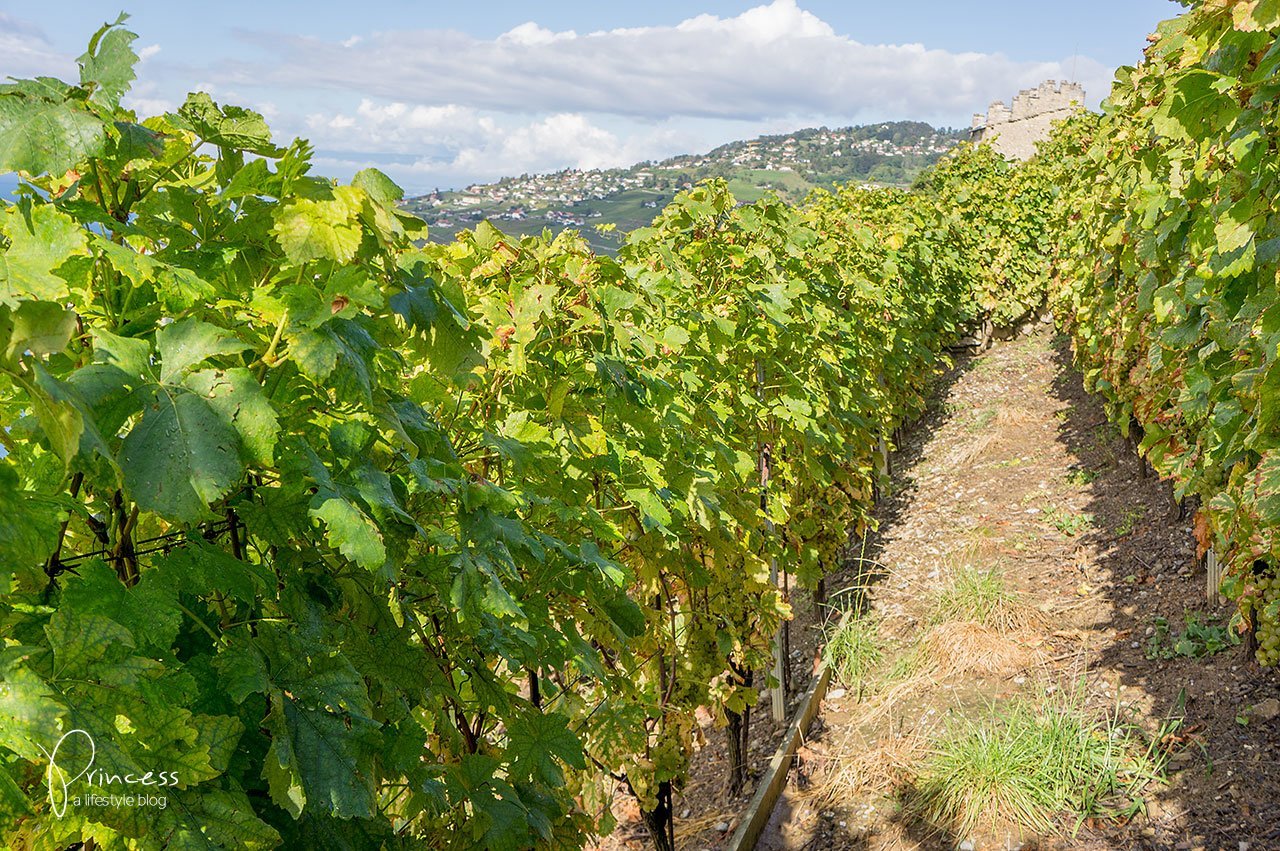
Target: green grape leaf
[
  {"x": 41, "y": 238},
  {"x": 320, "y": 229},
  {"x": 219, "y": 735},
  {"x": 38, "y": 327},
  {"x": 109, "y": 387},
  {"x": 13, "y": 803},
  {"x": 29, "y": 525},
  {"x": 79, "y": 640},
  {"x": 107, "y": 66},
  {"x": 654, "y": 511},
  {"x": 29, "y": 714},
  {"x": 502, "y": 821},
  {"x": 625, "y": 614},
  {"x": 338, "y": 352},
  {"x": 282, "y": 777},
  {"x": 349, "y": 530},
  {"x": 181, "y": 456},
  {"x": 198, "y": 564},
  {"x": 1235, "y": 229},
  {"x": 136, "y": 142},
  {"x": 1268, "y": 489},
  {"x": 1257, "y": 15},
  {"x": 44, "y": 136},
  {"x": 211, "y": 819},
  {"x": 1189, "y": 107},
  {"x": 238, "y": 399},
  {"x": 379, "y": 187},
  {"x": 506, "y": 823},
  {"x": 322, "y": 759},
  {"x": 254, "y": 179},
  {"x": 242, "y": 671},
  {"x": 231, "y": 127},
  {"x": 149, "y": 610},
  {"x": 137, "y": 267},
  {"x": 317, "y": 677},
  {"x": 190, "y": 342},
  {"x": 64, "y": 421},
  {"x": 537, "y": 741}
]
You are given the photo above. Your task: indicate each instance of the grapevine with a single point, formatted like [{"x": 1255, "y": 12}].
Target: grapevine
[
  {"x": 372, "y": 542},
  {"x": 1167, "y": 270}
]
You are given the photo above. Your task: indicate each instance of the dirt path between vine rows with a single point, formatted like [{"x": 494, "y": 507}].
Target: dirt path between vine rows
[{"x": 1015, "y": 468}]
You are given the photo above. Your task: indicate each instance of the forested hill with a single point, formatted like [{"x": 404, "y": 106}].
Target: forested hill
[{"x": 791, "y": 164}]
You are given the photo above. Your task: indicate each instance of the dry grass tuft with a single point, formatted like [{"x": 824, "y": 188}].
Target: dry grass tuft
[
  {"x": 887, "y": 763},
  {"x": 1011, "y": 416},
  {"x": 691, "y": 827},
  {"x": 969, "y": 452},
  {"x": 963, "y": 647}
]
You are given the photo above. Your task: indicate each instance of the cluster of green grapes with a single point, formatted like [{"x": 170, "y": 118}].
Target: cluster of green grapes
[{"x": 1267, "y": 617}]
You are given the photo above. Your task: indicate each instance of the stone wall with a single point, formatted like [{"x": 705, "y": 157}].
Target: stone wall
[{"x": 1014, "y": 130}]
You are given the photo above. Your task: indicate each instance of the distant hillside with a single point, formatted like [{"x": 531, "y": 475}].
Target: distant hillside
[{"x": 791, "y": 164}]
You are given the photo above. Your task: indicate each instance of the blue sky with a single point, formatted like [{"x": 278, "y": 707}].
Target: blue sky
[{"x": 442, "y": 94}]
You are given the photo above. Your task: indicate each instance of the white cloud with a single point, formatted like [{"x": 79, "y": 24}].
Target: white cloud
[
  {"x": 28, "y": 52},
  {"x": 443, "y": 108},
  {"x": 560, "y": 139},
  {"x": 146, "y": 99},
  {"x": 779, "y": 20},
  {"x": 530, "y": 33},
  {"x": 400, "y": 127},
  {"x": 146, "y": 107},
  {"x": 771, "y": 60},
  {"x": 439, "y": 107},
  {"x": 467, "y": 144}
]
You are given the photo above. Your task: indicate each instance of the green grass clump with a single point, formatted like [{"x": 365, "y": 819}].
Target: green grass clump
[
  {"x": 1201, "y": 637},
  {"x": 983, "y": 597},
  {"x": 1131, "y": 518},
  {"x": 1067, "y": 522},
  {"x": 1082, "y": 475},
  {"x": 854, "y": 649},
  {"x": 1026, "y": 766},
  {"x": 983, "y": 418},
  {"x": 907, "y": 665}
]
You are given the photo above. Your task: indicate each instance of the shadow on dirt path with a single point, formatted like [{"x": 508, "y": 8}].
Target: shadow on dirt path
[{"x": 1226, "y": 785}]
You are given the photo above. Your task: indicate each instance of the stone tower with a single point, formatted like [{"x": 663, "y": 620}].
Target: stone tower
[{"x": 1014, "y": 131}]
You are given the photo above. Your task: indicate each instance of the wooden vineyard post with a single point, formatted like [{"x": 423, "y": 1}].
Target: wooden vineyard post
[
  {"x": 882, "y": 450},
  {"x": 777, "y": 693},
  {"x": 1213, "y": 578}
]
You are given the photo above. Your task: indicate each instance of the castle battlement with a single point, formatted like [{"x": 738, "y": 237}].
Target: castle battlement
[{"x": 1014, "y": 130}]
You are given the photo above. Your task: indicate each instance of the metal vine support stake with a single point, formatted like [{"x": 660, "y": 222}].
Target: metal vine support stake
[{"x": 778, "y": 693}]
